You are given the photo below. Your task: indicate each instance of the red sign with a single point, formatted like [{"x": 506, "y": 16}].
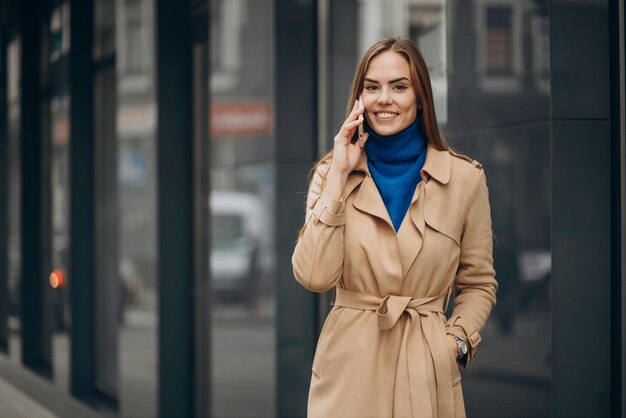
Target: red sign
[{"x": 241, "y": 120}]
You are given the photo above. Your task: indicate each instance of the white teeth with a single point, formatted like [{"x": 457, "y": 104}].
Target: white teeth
[{"x": 385, "y": 115}]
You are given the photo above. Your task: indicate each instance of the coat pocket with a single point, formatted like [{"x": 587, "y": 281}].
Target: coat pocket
[
  {"x": 455, "y": 372},
  {"x": 325, "y": 336}
]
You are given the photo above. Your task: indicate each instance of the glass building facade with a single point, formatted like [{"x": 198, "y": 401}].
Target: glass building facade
[{"x": 153, "y": 169}]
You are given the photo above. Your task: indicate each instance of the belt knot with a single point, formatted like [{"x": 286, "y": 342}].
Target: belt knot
[{"x": 390, "y": 310}]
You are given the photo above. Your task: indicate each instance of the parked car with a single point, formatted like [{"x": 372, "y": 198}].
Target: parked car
[{"x": 236, "y": 227}]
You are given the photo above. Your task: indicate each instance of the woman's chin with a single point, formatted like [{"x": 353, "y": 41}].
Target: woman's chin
[{"x": 386, "y": 130}]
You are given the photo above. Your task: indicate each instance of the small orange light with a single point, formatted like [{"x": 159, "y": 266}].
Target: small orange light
[{"x": 56, "y": 278}]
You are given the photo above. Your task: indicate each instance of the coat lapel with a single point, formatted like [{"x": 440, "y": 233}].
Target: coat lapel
[
  {"x": 354, "y": 179},
  {"x": 368, "y": 198},
  {"x": 411, "y": 233}
]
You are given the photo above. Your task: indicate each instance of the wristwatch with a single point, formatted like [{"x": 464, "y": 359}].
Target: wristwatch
[{"x": 461, "y": 346}]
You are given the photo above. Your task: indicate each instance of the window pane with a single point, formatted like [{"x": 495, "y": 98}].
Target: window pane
[
  {"x": 14, "y": 51},
  {"x": 136, "y": 182},
  {"x": 498, "y": 39},
  {"x": 55, "y": 133},
  {"x": 241, "y": 206}
]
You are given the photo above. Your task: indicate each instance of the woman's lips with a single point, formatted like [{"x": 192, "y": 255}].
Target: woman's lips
[{"x": 385, "y": 115}]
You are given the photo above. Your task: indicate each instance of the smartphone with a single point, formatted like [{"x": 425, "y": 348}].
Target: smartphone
[{"x": 361, "y": 141}]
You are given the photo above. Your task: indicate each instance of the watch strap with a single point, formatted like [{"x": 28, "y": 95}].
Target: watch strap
[{"x": 460, "y": 345}]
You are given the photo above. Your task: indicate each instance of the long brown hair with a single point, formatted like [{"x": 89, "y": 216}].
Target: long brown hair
[{"x": 420, "y": 81}]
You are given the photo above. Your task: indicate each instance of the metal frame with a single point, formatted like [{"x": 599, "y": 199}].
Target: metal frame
[
  {"x": 621, "y": 17},
  {"x": 33, "y": 276},
  {"x": 175, "y": 161},
  {"x": 202, "y": 216},
  {"x": 82, "y": 211},
  {"x": 618, "y": 217},
  {"x": 202, "y": 290},
  {"x": 4, "y": 197}
]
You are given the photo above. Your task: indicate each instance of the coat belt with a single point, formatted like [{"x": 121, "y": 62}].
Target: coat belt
[{"x": 423, "y": 313}]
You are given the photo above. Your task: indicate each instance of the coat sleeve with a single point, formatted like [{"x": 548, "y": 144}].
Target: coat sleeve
[
  {"x": 318, "y": 256},
  {"x": 475, "y": 286}
]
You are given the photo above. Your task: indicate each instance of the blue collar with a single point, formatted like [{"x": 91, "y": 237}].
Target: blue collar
[{"x": 395, "y": 162}]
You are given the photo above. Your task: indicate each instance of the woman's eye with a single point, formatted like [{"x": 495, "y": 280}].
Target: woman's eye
[
  {"x": 401, "y": 87},
  {"x": 370, "y": 88}
]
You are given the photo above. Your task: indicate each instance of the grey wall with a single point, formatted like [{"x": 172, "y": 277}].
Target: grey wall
[{"x": 581, "y": 199}]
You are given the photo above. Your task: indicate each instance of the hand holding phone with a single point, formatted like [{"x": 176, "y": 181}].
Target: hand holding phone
[{"x": 346, "y": 152}]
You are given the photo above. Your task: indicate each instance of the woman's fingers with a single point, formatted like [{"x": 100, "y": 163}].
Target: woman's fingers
[
  {"x": 355, "y": 107},
  {"x": 352, "y": 121},
  {"x": 353, "y": 124},
  {"x": 344, "y": 132},
  {"x": 356, "y": 112},
  {"x": 347, "y": 130}
]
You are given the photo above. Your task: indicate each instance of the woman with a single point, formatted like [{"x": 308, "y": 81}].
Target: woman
[{"x": 392, "y": 225}]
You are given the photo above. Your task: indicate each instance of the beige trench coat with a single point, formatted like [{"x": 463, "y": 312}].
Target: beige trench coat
[{"x": 383, "y": 350}]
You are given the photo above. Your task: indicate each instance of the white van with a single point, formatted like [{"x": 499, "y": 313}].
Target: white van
[{"x": 236, "y": 227}]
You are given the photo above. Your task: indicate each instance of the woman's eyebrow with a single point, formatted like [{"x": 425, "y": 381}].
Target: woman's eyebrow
[{"x": 395, "y": 80}]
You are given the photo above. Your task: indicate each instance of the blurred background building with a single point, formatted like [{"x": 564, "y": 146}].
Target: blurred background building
[{"x": 153, "y": 170}]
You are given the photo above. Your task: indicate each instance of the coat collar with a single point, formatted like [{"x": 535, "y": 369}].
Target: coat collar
[
  {"x": 437, "y": 165},
  {"x": 368, "y": 198}
]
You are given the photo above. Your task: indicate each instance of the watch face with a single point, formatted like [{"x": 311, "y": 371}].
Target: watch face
[{"x": 463, "y": 347}]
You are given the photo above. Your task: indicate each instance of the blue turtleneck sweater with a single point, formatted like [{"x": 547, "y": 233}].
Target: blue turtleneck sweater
[{"x": 395, "y": 162}]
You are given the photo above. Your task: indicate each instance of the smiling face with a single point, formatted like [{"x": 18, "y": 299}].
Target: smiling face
[{"x": 388, "y": 96}]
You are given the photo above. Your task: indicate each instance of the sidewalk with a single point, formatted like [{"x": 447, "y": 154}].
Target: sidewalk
[
  {"x": 24, "y": 394},
  {"x": 15, "y": 404}
]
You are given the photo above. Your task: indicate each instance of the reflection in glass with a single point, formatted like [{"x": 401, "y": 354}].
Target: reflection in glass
[
  {"x": 107, "y": 285},
  {"x": 236, "y": 246},
  {"x": 498, "y": 42},
  {"x": 14, "y": 50},
  {"x": 241, "y": 206},
  {"x": 56, "y": 137},
  {"x": 136, "y": 216},
  {"x": 59, "y": 108}
]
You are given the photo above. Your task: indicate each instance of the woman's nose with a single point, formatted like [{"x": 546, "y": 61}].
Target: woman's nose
[{"x": 383, "y": 98}]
